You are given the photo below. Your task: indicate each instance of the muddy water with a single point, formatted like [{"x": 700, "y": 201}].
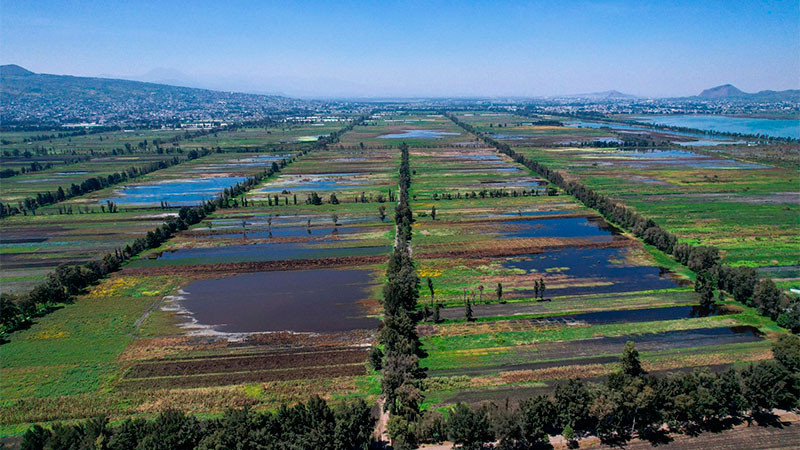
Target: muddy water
[
  {"x": 303, "y": 301},
  {"x": 263, "y": 252},
  {"x": 591, "y": 263}
]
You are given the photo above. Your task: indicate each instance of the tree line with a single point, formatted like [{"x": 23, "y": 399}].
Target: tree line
[
  {"x": 629, "y": 404},
  {"x": 313, "y": 424},
  {"x": 742, "y": 282},
  {"x": 69, "y": 280},
  {"x": 400, "y": 349}
]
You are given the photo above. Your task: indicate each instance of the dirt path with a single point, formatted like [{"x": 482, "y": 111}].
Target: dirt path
[
  {"x": 381, "y": 433},
  {"x": 147, "y": 313}
]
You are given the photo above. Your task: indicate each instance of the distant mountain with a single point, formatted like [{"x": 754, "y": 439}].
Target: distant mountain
[
  {"x": 27, "y": 98},
  {"x": 13, "y": 70},
  {"x": 731, "y": 92},
  {"x": 604, "y": 95},
  {"x": 726, "y": 90}
]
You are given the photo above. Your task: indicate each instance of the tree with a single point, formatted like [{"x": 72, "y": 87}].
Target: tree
[
  {"x": 172, "y": 430},
  {"x": 402, "y": 433},
  {"x": 787, "y": 352},
  {"x": 769, "y": 385},
  {"x": 767, "y": 298},
  {"x": 702, "y": 258},
  {"x": 469, "y": 428},
  {"x": 704, "y": 285},
  {"x": 354, "y": 426},
  {"x": 376, "y": 358},
  {"x": 629, "y": 361},
  {"x": 314, "y": 199},
  {"x": 538, "y": 418},
  {"x": 433, "y": 213},
  {"x": 572, "y": 403}
]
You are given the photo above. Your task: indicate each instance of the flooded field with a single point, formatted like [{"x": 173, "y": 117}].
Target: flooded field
[
  {"x": 418, "y": 134},
  {"x": 298, "y": 301},
  {"x": 277, "y": 296},
  {"x": 178, "y": 192}
]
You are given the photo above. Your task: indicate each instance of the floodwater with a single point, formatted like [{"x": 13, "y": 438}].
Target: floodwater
[
  {"x": 284, "y": 232},
  {"x": 648, "y": 158},
  {"x": 591, "y": 264},
  {"x": 265, "y": 252},
  {"x": 638, "y": 129},
  {"x": 175, "y": 192},
  {"x": 418, "y": 134},
  {"x": 562, "y": 227},
  {"x": 325, "y": 300},
  {"x": 744, "y": 125},
  {"x": 638, "y": 315}
]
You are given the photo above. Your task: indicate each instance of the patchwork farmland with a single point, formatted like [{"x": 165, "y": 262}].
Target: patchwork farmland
[{"x": 278, "y": 291}]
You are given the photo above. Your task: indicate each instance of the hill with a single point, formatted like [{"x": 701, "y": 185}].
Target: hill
[
  {"x": 27, "y": 98},
  {"x": 731, "y": 92},
  {"x": 726, "y": 90},
  {"x": 604, "y": 95}
]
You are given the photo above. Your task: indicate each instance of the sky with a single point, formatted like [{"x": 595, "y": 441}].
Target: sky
[{"x": 414, "y": 48}]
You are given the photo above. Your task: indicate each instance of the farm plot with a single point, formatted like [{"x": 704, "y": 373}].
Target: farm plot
[{"x": 573, "y": 289}]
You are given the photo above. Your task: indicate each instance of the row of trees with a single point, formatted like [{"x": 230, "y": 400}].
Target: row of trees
[
  {"x": 494, "y": 193},
  {"x": 400, "y": 348},
  {"x": 629, "y": 404},
  {"x": 18, "y": 311},
  {"x": 313, "y": 424},
  {"x": 703, "y": 260},
  {"x": 90, "y": 185}
]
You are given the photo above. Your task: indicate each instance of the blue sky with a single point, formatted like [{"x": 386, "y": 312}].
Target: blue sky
[{"x": 424, "y": 48}]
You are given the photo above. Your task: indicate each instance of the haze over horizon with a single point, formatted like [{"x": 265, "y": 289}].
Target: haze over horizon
[{"x": 415, "y": 49}]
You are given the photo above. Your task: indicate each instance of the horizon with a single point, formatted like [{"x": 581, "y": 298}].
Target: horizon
[
  {"x": 416, "y": 50},
  {"x": 387, "y": 98}
]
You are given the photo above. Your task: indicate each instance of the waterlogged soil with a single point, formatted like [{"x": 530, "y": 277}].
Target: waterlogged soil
[
  {"x": 176, "y": 193},
  {"x": 590, "y": 318},
  {"x": 582, "y": 351},
  {"x": 324, "y": 300},
  {"x": 606, "y": 264},
  {"x": 240, "y": 363}
]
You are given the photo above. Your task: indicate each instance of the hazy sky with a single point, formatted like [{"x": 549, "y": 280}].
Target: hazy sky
[{"x": 425, "y": 48}]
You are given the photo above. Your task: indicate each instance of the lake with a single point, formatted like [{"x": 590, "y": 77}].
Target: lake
[{"x": 745, "y": 125}]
